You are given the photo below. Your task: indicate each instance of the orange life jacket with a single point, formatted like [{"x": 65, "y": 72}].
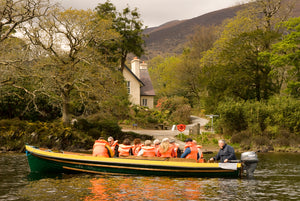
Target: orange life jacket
[
  {"x": 175, "y": 147},
  {"x": 194, "y": 150},
  {"x": 148, "y": 151},
  {"x": 124, "y": 150},
  {"x": 136, "y": 148},
  {"x": 201, "y": 159},
  {"x": 156, "y": 147},
  {"x": 114, "y": 145},
  {"x": 167, "y": 153},
  {"x": 102, "y": 149}
]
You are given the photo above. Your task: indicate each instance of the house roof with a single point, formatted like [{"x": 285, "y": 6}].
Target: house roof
[
  {"x": 140, "y": 81},
  {"x": 147, "y": 89}
]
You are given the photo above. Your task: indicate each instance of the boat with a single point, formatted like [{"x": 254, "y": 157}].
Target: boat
[{"x": 47, "y": 161}]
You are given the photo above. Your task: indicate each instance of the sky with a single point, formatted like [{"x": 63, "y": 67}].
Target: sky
[{"x": 157, "y": 12}]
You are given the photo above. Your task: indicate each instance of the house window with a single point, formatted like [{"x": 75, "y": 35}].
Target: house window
[
  {"x": 128, "y": 87},
  {"x": 144, "y": 102}
]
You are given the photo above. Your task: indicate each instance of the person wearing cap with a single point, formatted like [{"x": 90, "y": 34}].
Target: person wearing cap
[
  {"x": 113, "y": 145},
  {"x": 147, "y": 150},
  {"x": 225, "y": 153},
  {"x": 176, "y": 148},
  {"x": 102, "y": 149},
  {"x": 191, "y": 150},
  {"x": 165, "y": 150}
]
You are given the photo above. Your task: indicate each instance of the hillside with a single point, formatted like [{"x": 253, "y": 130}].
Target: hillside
[{"x": 171, "y": 37}]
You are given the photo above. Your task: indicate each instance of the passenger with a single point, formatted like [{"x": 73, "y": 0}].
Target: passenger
[
  {"x": 102, "y": 149},
  {"x": 156, "y": 144},
  {"x": 190, "y": 150},
  {"x": 177, "y": 150},
  {"x": 137, "y": 145},
  {"x": 125, "y": 149},
  {"x": 201, "y": 159},
  {"x": 113, "y": 145},
  {"x": 165, "y": 150},
  {"x": 225, "y": 153},
  {"x": 147, "y": 150}
]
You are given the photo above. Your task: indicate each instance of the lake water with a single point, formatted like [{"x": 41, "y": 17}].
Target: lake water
[{"x": 277, "y": 177}]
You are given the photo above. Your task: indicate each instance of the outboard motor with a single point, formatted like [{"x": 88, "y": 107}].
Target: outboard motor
[{"x": 250, "y": 161}]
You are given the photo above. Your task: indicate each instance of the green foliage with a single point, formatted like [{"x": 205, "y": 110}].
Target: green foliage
[
  {"x": 177, "y": 108},
  {"x": 165, "y": 77},
  {"x": 99, "y": 128},
  {"x": 260, "y": 121},
  {"x": 128, "y": 24},
  {"x": 181, "y": 136},
  {"x": 169, "y": 111},
  {"x": 15, "y": 133},
  {"x": 286, "y": 55}
]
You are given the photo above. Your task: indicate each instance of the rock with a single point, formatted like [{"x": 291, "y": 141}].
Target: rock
[{"x": 3, "y": 150}]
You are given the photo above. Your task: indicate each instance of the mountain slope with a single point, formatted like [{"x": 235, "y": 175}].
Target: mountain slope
[{"x": 171, "y": 37}]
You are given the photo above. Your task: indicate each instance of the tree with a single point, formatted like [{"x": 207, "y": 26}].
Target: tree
[
  {"x": 165, "y": 77},
  {"x": 129, "y": 26},
  {"x": 66, "y": 67},
  {"x": 235, "y": 66},
  {"x": 189, "y": 69},
  {"x": 285, "y": 56},
  {"x": 13, "y": 14}
]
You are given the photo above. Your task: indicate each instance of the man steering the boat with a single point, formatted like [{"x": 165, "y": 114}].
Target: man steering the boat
[{"x": 225, "y": 153}]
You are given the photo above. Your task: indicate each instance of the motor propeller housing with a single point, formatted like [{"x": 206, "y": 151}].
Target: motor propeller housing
[{"x": 250, "y": 161}]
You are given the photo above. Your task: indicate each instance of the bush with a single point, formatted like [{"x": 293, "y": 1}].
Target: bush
[
  {"x": 181, "y": 136},
  {"x": 261, "y": 140},
  {"x": 15, "y": 133},
  {"x": 265, "y": 118},
  {"x": 243, "y": 137}
]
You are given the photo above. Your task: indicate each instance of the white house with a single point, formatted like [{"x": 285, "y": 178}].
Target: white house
[{"x": 139, "y": 84}]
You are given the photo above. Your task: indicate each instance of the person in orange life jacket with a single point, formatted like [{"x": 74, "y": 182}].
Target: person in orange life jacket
[
  {"x": 113, "y": 145},
  {"x": 102, "y": 149},
  {"x": 125, "y": 149},
  {"x": 225, "y": 153},
  {"x": 147, "y": 150},
  {"x": 191, "y": 150},
  {"x": 177, "y": 150},
  {"x": 137, "y": 145},
  {"x": 165, "y": 150},
  {"x": 201, "y": 159},
  {"x": 156, "y": 144}
]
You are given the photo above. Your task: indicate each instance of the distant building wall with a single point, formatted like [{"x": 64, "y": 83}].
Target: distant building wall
[
  {"x": 134, "y": 87},
  {"x": 147, "y": 101}
]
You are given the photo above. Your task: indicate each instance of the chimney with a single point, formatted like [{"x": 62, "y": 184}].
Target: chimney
[
  {"x": 135, "y": 67},
  {"x": 143, "y": 66}
]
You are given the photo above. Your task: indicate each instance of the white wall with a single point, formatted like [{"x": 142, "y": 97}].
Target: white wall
[{"x": 134, "y": 87}]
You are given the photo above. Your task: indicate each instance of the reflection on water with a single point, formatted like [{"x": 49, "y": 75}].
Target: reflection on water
[{"x": 276, "y": 178}]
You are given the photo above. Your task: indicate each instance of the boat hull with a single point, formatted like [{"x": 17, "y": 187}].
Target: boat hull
[{"x": 50, "y": 162}]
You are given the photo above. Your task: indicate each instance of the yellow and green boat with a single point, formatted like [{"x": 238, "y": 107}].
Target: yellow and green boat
[{"x": 47, "y": 161}]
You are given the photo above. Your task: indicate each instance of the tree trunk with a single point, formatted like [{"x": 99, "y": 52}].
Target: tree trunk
[{"x": 65, "y": 108}]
